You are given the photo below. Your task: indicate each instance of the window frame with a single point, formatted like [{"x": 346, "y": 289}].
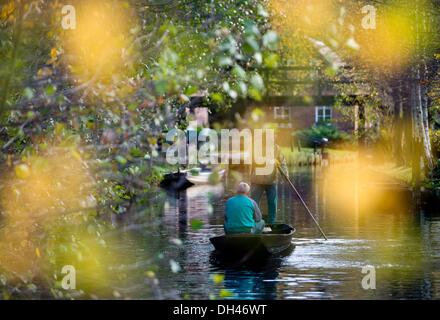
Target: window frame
[
  {"x": 281, "y": 113},
  {"x": 323, "y": 118}
]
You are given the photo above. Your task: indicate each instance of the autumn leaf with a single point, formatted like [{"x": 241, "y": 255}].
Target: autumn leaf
[
  {"x": 54, "y": 53},
  {"x": 22, "y": 171}
]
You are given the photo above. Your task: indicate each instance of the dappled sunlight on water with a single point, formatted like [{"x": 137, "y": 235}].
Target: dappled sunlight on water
[
  {"x": 400, "y": 243},
  {"x": 171, "y": 257}
]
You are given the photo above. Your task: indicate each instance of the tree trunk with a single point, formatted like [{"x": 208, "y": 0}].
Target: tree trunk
[
  {"x": 420, "y": 117},
  {"x": 419, "y": 100},
  {"x": 425, "y": 121},
  {"x": 407, "y": 122},
  {"x": 6, "y": 83},
  {"x": 361, "y": 130},
  {"x": 397, "y": 123}
]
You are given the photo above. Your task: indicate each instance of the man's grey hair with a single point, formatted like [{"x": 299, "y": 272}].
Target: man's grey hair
[{"x": 243, "y": 188}]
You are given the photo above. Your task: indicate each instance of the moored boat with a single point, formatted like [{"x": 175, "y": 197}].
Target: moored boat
[
  {"x": 278, "y": 240},
  {"x": 175, "y": 181},
  {"x": 198, "y": 176}
]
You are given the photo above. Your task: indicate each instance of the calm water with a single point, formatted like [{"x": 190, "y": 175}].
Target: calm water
[{"x": 401, "y": 243}]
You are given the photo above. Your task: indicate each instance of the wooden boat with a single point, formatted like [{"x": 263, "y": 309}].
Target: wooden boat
[
  {"x": 198, "y": 177},
  {"x": 276, "y": 241}
]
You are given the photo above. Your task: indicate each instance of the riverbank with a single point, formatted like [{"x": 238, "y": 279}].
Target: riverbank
[
  {"x": 429, "y": 196},
  {"x": 401, "y": 174},
  {"x": 307, "y": 156}
]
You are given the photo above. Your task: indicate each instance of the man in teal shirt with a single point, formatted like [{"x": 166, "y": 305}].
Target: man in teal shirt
[{"x": 242, "y": 214}]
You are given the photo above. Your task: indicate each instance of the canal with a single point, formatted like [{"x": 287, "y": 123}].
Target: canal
[{"x": 386, "y": 232}]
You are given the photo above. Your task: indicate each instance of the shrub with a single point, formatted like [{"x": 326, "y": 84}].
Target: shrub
[
  {"x": 434, "y": 178},
  {"x": 435, "y": 142},
  {"x": 320, "y": 131}
]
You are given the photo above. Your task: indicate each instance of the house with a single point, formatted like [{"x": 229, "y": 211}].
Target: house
[
  {"x": 298, "y": 118},
  {"x": 297, "y": 98},
  {"x": 289, "y": 119}
]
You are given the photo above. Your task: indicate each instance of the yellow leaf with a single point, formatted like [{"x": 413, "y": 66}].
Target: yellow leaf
[
  {"x": 44, "y": 72},
  {"x": 7, "y": 10},
  {"x": 76, "y": 155},
  {"x": 22, "y": 171},
  {"x": 53, "y": 53},
  {"x": 37, "y": 252},
  {"x": 217, "y": 278},
  {"x": 59, "y": 129},
  {"x": 225, "y": 293}
]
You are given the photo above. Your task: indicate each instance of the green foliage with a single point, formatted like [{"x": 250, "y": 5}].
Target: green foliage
[
  {"x": 434, "y": 178},
  {"x": 435, "y": 141},
  {"x": 196, "y": 224},
  {"x": 214, "y": 49},
  {"x": 318, "y": 132}
]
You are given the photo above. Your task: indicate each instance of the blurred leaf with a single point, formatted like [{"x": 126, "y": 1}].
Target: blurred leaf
[
  {"x": 28, "y": 93},
  {"x": 217, "y": 97},
  {"x": 258, "y": 57},
  {"x": 50, "y": 90},
  {"x": 190, "y": 90},
  {"x": 196, "y": 224},
  {"x": 233, "y": 94},
  {"x": 217, "y": 278},
  {"x": 243, "y": 88},
  {"x": 255, "y": 94},
  {"x": 132, "y": 106},
  {"x": 271, "y": 60},
  {"x": 239, "y": 72},
  {"x": 214, "y": 178},
  {"x": 175, "y": 266},
  {"x": 225, "y": 293},
  {"x": 22, "y": 171},
  {"x": 176, "y": 241},
  {"x": 161, "y": 86},
  {"x": 257, "y": 82},
  {"x": 121, "y": 159},
  {"x": 251, "y": 45},
  {"x": 251, "y": 28},
  {"x": 225, "y": 61},
  {"x": 270, "y": 40},
  {"x": 136, "y": 153},
  {"x": 262, "y": 11}
]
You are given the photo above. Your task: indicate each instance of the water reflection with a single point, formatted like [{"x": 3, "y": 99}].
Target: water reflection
[
  {"x": 400, "y": 242},
  {"x": 194, "y": 203}
]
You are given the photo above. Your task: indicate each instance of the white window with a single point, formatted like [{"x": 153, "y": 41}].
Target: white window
[
  {"x": 286, "y": 125},
  {"x": 281, "y": 113},
  {"x": 323, "y": 114}
]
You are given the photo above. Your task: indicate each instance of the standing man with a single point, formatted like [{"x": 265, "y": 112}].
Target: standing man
[{"x": 268, "y": 184}]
